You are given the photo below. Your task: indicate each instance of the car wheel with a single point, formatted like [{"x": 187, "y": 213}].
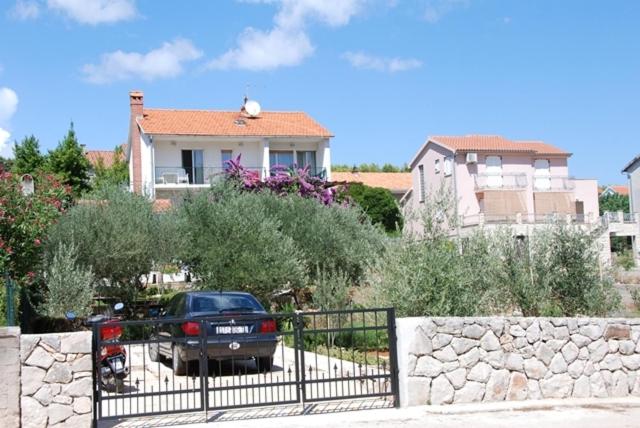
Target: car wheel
[
  {"x": 179, "y": 365},
  {"x": 154, "y": 352},
  {"x": 265, "y": 364}
]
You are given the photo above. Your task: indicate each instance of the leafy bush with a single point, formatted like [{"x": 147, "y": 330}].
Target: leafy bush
[
  {"x": 635, "y": 296},
  {"x": 554, "y": 272},
  {"x": 112, "y": 230},
  {"x": 331, "y": 290},
  {"x": 235, "y": 243},
  {"x": 262, "y": 242},
  {"x": 68, "y": 286},
  {"x": 379, "y": 204},
  {"x": 625, "y": 260}
]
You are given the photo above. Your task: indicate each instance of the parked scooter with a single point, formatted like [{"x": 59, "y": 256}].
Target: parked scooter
[{"x": 111, "y": 367}]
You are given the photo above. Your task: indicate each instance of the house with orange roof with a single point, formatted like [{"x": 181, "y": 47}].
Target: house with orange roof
[
  {"x": 614, "y": 189},
  {"x": 171, "y": 151},
  {"x": 495, "y": 180},
  {"x": 398, "y": 183}
]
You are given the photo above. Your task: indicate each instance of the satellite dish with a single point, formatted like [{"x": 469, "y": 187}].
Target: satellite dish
[{"x": 252, "y": 108}]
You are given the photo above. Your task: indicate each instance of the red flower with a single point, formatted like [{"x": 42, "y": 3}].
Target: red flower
[
  {"x": 31, "y": 275},
  {"x": 37, "y": 242}
]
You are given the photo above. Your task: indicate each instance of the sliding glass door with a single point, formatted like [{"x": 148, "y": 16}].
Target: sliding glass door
[{"x": 193, "y": 164}]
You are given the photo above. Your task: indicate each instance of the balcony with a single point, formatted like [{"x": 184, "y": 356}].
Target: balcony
[
  {"x": 179, "y": 177},
  {"x": 175, "y": 176},
  {"x": 553, "y": 183},
  {"x": 501, "y": 181}
]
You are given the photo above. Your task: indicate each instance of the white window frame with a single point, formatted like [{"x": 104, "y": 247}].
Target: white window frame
[
  {"x": 448, "y": 166},
  {"x": 493, "y": 172},
  {"x": 542, "y": 176},
  {"x": 421, "y": 183}
]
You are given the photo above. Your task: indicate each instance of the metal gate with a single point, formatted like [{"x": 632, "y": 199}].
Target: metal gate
[{"x": 179, "y": 366}]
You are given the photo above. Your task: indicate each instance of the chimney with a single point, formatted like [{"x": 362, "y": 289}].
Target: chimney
[{"x": 137, "y": 105}]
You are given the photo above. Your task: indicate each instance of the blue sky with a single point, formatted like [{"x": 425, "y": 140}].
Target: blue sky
[{"x": 381, "y": 74}]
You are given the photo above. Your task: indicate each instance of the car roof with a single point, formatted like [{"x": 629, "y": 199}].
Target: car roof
[{"x": 213, "y": 292}]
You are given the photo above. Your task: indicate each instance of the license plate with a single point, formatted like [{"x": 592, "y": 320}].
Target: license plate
[
  {"x": 232, "y": 329},
  {"x": 117, "y": 365}
]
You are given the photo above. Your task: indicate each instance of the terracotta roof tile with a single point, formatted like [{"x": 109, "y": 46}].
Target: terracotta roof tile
[
  {"x": 394, "y": 181},
  {"x": 223, "y": 123},
  {"x": 496, "y": 143},
  {"x": 107, "y": 156}
]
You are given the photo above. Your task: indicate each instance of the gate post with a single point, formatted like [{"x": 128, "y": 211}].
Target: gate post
[
  {"x": 95, "y": 395},
  {"x": 393, "y": 355},
  {"x": 298, "y": 345}
]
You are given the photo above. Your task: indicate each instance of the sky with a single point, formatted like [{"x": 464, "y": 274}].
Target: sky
[{"x": 382, "y": 75}]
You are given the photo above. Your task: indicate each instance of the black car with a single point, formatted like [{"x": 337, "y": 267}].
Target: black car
[{"x": 235, "y": 329}]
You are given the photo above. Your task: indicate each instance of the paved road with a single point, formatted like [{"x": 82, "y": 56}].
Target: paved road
[{"x": 592, "y": 413}]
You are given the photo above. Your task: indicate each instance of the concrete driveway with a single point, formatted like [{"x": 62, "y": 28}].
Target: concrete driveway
[{"x": 573, "y": 413}]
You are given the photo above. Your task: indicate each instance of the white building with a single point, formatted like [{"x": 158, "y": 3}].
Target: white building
[{"x": 172, "y": 150}]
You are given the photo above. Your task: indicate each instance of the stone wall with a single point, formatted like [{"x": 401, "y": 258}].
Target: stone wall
[
  {"x": 461, "y": 360},
  {"x": 10, "y": 372},
  {"x": 56, "y": 380}
]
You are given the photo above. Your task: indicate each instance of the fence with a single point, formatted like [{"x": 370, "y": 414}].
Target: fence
[{"x": 245, "y": 360}]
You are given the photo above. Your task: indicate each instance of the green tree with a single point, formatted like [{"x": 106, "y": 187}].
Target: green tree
[
  {"x": 613, "y": 203},
  {"x": 68, "y": 161},
  {"x": 115, "y": 175},
  {"x": 379, "y": 204},
  {"x": 113, "y": 231},
  {"x": 69, "y": 287},
  {"x": 27, "y": 156},
  {"x": 387, "y": 167}
]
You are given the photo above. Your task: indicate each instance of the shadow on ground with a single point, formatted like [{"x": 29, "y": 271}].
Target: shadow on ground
[{"x": 248, "y": 414}]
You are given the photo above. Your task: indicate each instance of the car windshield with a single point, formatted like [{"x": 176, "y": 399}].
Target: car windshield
[{"x": 225, "y": 303}]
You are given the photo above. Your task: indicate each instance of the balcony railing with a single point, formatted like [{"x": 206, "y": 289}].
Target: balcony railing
[
  {"x": 553, "y": 183},
  {"x": 501, "y": 181},
  {"x": 194, "y": 176},
  {"x": 182, "y": 177},
  {"x": 523, "y": 218},
  {"x": 314, "y": 172}
]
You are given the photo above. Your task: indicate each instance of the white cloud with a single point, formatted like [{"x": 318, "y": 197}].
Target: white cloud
[
  {"x": 259, "y": 50},
  {"x": 95, "y": 11},
  {"x": 6, "y": 149},
  {"x": 164, "y": 62},
  {"x": 287, "y": 43},
  {"x": 8, "y": 106},
  {"x": 390, "y": 65},
  {"x": 25, "y": 9},
  {"x": 436, "y": 9}
]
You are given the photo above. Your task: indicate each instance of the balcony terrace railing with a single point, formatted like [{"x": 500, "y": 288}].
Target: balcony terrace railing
[
  {"x": 522, "y": 218},
  {"x": 501, "y": 181},
  {"x": 553, "y": 183},
  {"x": 195, "y": 176}
]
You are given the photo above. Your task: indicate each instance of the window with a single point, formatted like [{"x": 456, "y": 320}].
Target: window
[
  {"x": 421, "y": 184},
  {"x": 283, "y": 159},
  {"x": 493, "y": 166},
  {"x": 448, "y": 166},
  {"x": 226, "y": 155},
  {"x": 542, "y": 174},
  {"x": 307, "y": 158},
  {"x": 437, "y": 166}
]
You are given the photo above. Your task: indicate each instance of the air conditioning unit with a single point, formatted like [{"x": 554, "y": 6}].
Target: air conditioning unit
[{"x": 472, "y": 158}]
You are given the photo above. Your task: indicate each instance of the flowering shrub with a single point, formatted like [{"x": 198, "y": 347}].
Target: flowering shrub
[
  {"x": 283, "y": 181},
  {"x": 24, "y": 220}
]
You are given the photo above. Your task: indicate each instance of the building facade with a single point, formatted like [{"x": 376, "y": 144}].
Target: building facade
[
  {"x": 171, "y": 151},
  {"x": 493, "y": 180}
]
